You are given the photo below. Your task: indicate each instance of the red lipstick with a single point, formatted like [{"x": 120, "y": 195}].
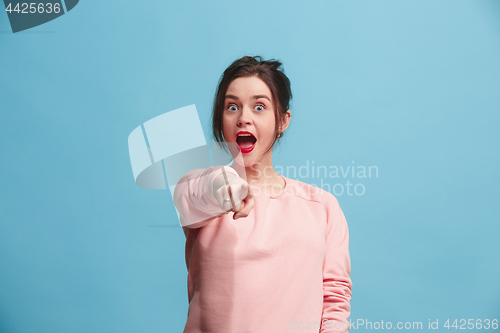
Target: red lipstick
[{"x": 246, "y": 142}]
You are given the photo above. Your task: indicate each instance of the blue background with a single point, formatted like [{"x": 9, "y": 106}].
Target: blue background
[{"x": 408, "y": 86}]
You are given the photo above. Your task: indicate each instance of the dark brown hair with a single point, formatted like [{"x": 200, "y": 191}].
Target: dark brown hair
[{"x": 271, "y": 72}]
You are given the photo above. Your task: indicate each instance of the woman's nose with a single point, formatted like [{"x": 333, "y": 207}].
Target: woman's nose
[{"x": 244, "y": 117}]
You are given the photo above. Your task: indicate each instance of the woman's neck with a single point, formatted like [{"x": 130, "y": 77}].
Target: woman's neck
[{"x": 260, "y": 174}]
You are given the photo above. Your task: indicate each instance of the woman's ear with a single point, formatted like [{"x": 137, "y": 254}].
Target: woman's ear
[{"x": 285, "y": 121}]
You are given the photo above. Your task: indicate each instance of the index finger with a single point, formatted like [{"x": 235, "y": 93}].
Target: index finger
[{"x": 249, "y": 203}]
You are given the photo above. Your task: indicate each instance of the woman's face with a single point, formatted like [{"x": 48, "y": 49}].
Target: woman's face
[{"x": 249, "y": 107}]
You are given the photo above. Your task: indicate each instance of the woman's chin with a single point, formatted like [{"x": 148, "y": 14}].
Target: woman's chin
[
  {"x": 243, "y": 156},
  {"x": 246, "y": 160}
]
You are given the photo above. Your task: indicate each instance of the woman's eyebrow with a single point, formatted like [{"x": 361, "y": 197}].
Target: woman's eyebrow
[{"x": 253, "y": 97}]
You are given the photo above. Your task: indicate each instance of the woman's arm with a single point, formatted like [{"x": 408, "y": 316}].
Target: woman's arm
[
  {"x": 194, "y": 196},
  {"x": 337, "y": 284}
]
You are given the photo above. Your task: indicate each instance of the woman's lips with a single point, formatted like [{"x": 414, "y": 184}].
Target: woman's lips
[{"x": 246, "y": 149}]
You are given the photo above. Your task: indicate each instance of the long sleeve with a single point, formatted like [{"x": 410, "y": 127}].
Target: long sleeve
[
  {"x": 194, "y": 198},
  {"x": 337, "y": 284}
]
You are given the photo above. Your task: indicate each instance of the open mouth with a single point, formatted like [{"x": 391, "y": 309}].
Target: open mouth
[{"x": 246, "y": 141}]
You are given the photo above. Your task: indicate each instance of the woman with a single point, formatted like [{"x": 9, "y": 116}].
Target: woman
[{"x": 264, "y": 253}]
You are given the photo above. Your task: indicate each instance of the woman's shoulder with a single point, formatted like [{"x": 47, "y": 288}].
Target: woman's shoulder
[{"x": 309, "y": 192}]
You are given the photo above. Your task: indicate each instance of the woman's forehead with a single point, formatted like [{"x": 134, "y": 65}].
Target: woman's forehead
[{"x": 249, "y": 87}]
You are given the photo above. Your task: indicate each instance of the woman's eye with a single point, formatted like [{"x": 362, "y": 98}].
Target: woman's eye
[
  {"x": 259, "y": 106},
  {"x": 232, "y": 107}
]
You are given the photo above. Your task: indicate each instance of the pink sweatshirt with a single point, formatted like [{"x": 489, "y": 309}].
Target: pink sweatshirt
[{"x": 284, "y": 268}]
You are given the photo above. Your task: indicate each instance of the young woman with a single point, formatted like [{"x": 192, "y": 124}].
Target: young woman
[{"x": 264, "y": 252}]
